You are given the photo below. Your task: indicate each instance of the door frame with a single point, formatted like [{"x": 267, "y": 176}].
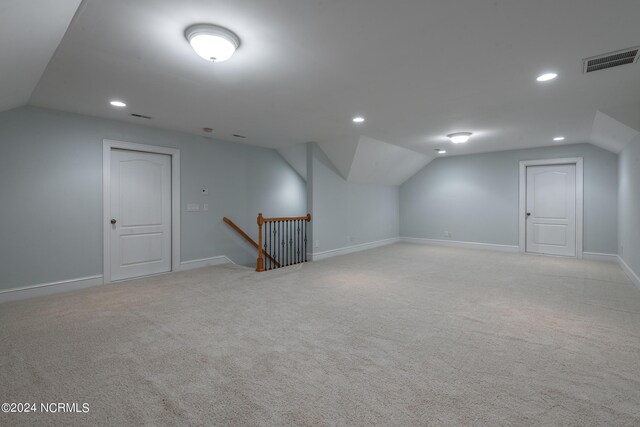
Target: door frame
[
  {"x": 579, "y": 162},
  {"x": 174, "y": 153}
]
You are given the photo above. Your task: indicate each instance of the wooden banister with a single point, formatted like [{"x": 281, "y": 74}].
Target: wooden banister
[
  {"x": 250, "y": 240},
  {"x": 288, "y": 218},
  {"x": 260, "y": 262},
  {"x": 285, "y": 238}
]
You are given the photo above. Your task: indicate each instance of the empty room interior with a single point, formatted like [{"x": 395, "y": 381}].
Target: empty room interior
[{"x": 320, "y": 213}]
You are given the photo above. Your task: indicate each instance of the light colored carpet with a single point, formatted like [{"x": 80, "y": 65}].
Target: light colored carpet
[{"x": 401, "y": 335}]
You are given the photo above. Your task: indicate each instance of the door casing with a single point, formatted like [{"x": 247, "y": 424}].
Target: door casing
[
  {"x": 578, "y": 161},
  {"x": 107, "y": 146}
]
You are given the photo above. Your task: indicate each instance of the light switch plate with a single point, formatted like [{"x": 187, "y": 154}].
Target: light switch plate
[
  {"x": 193, "y": 207},
  {"x": 205, "y": 207}
]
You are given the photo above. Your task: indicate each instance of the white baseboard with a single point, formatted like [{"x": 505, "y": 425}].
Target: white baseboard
[
  {"x": 595, "y": 256},
  {"x": 45, "y": 289},
  {"x": 317, "y": 256},
  {"x": 629, "y": 272},
  {"x": 457, "y": 244},
  {"x": 204, "y": 262}
]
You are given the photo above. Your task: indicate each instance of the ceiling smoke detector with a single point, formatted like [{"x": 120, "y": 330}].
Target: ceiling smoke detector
[{"x": 610, "y": 60}]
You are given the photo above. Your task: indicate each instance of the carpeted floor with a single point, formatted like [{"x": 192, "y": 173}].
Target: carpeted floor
[{"x": 396, "y": 336}]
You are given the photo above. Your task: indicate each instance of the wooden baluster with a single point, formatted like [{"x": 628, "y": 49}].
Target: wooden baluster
[{"x": 260, "y": 263}]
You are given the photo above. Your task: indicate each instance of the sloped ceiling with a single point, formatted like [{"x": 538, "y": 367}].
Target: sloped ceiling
[
  {"x": 377, "y": 162},
  {"x": 341, "y": 153},
  {"x": 296, "y": 156},
  {"x": 30, "y": 32},
  {"x": 611, "y": 134},
  {"x": 417, "y": 70},
  {"x": 369, "y": 161}
]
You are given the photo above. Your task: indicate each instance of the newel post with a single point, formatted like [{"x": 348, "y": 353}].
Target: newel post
[{"x": 260, "y": 263}]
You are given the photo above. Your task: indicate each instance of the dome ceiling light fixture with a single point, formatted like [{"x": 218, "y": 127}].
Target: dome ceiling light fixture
[
  {"x": 459, "y": 137},
  {"x": 212, "y": 42}
]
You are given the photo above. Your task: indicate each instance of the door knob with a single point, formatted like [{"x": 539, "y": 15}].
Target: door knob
[
  {"x": 113, "y": 221},
  {"x": 528, "y": 214}
]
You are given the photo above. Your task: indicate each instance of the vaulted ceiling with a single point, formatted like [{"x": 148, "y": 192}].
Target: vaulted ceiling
[
  {"x": 416, "y": 70},
  {"x": 30, "y": 32}
]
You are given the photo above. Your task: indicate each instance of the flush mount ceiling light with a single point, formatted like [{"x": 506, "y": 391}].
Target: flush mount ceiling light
[
  {"x": 459, "y": 137},
  {"x": 117, "y": 103},
  {"x": 211, "y": 42},
  {"x": 358, "y": 120},
  {"x": 546, "y": 77},
  {"x": 559, "y": 138}
]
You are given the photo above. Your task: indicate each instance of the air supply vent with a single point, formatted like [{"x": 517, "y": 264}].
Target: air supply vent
[
  {"x": 140, "y": 116},
  {"x": 611, "y": 59}
]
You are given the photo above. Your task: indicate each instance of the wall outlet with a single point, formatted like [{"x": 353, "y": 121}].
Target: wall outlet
[
  {"x": 317, "y": 243},
  {"x": 349, "y": 239},
  {"x": 447, "y": 234},
  {"x": 205, "y": 191}
]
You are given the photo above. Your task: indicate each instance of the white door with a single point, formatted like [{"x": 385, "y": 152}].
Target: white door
[
  {"x": 551, "y": 210},
  {"x": 140, "y": 214}
]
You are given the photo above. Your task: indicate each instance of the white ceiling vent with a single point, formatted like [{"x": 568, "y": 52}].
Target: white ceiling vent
[{"x": 611, "y": 59}]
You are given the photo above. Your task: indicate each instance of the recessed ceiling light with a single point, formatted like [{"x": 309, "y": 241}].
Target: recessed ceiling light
[
  {"x": 559, "y": 138},
  {"x": 211, "y": 42},
  {"x": 358, "y": 120},
  {"x": 118, "y": 103},
  {"x": 546, "y": 77},
  {"x": 440, "y": 151},
  {"x": 459, "y": 137}
]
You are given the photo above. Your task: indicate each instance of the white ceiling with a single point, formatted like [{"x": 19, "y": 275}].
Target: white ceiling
[
  {"x": 610, "y": 133},
  {"x": 296, "y": 156},
  {"x": 30, "y": 32},
  {"x": 377, "y": 162},
  {"x": 416, "y": 70},
  {"x": 366, "y": 160}
]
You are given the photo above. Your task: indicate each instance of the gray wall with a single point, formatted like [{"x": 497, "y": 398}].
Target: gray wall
[
  {"x": 475, "y": 197},
  {"x": 51, "y": 193},
  {"x": 629, "y": 210},
  {"x": 346, "y": 213}
]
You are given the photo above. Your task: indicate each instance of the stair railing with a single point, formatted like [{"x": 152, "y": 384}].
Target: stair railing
[
  {"x": 250, "y": 240},
  {"x": 281, "y": 241}
]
